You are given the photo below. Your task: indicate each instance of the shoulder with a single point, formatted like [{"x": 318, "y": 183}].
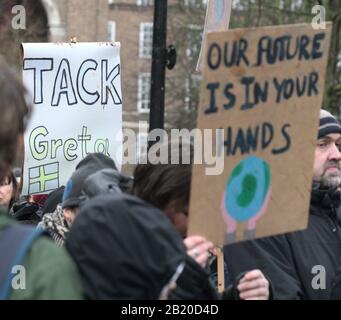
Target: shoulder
[
  {"x": 50, "y": 272},
  {"x": 46, "y": 252}
]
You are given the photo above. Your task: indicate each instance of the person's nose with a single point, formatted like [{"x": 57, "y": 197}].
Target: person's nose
[{"x": 335, "y": 153}]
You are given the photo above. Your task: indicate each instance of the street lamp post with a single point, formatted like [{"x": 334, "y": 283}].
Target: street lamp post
[{"x": 161, "y": 57}]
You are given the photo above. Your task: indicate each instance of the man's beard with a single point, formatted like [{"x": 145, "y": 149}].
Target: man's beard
[{"x": 332, "y": 180}]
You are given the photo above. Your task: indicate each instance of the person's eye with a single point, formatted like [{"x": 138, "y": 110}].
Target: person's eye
[{"x": 322, "y": 144}]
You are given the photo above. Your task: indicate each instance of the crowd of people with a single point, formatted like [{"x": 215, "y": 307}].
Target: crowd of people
[{"x": 105, "y": 235}]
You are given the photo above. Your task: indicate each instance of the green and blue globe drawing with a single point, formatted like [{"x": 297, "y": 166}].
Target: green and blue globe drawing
[{"x": 247, "y": 188}]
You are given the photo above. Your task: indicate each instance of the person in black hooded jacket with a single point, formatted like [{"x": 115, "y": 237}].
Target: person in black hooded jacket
[
  {"x": 126, "y": 249},
  {"x": 303, "y": 264}
]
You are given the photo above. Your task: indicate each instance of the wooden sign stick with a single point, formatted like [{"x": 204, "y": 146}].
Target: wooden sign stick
[{"x": 220, "y": 270}]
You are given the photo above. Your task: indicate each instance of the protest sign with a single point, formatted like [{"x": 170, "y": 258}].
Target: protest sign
[
  {"x": 263, "y": 88},
  {"x": 76, "y": 92}
]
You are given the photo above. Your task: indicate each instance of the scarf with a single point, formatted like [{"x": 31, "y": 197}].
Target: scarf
[{"x": 55, "y": 224}]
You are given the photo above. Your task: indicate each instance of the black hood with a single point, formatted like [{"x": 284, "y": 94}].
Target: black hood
[
  {"x": 124, "y": 248},
  {"x": 93, "y": 162},
  {"x": 105, "y": 181}
]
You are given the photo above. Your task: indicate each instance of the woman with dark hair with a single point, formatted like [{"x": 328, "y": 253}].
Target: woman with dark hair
[{"x": 8, "y": 190}]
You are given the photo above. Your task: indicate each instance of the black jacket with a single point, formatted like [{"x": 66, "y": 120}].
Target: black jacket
[
  {"x": 336, "y": 288},
  {"x": 302, "y": 264}
]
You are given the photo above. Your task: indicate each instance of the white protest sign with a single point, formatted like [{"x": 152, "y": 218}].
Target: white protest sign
[{"x": 76, "y": 92}]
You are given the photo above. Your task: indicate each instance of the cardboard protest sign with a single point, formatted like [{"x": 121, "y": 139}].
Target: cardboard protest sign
[
  {"x": 218, "y": 14},
  {"x": 263, "y": 88},
  {"x": 76, "y": 92}
]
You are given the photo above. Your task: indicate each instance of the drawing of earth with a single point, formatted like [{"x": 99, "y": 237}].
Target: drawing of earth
[{"x": 247, "y": 189}]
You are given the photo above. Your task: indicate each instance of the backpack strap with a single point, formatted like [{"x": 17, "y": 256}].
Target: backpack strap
[{"x": 15, "y": 242}]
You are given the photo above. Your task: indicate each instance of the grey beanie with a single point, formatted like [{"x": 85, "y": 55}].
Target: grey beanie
[
  {"x": 93, "y": 162},
  {"x": 328, "y": 124}
]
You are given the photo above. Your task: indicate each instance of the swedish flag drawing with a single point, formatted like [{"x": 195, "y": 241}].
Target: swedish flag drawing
[{"x": 43, "y": 178}]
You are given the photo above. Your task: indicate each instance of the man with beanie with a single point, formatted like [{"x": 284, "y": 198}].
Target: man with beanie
[
  {"x": 73, "y": 195},
  {"x": 302, "y": 264}
]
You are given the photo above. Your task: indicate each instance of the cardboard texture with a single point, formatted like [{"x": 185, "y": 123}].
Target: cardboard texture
[{"x": 264, "y": 88}]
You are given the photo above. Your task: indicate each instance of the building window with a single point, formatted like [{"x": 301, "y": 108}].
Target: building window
[
  {"x": 146, "y": 40},
  {"x": 143, "y": 94},
  {"x": 111, "y": 31},
  {"x": 145, "y": 2},
  {"x": 195, "y": 3},
  {"x": 193, "y": 42},
  {"x": 192, "y": 86}
]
